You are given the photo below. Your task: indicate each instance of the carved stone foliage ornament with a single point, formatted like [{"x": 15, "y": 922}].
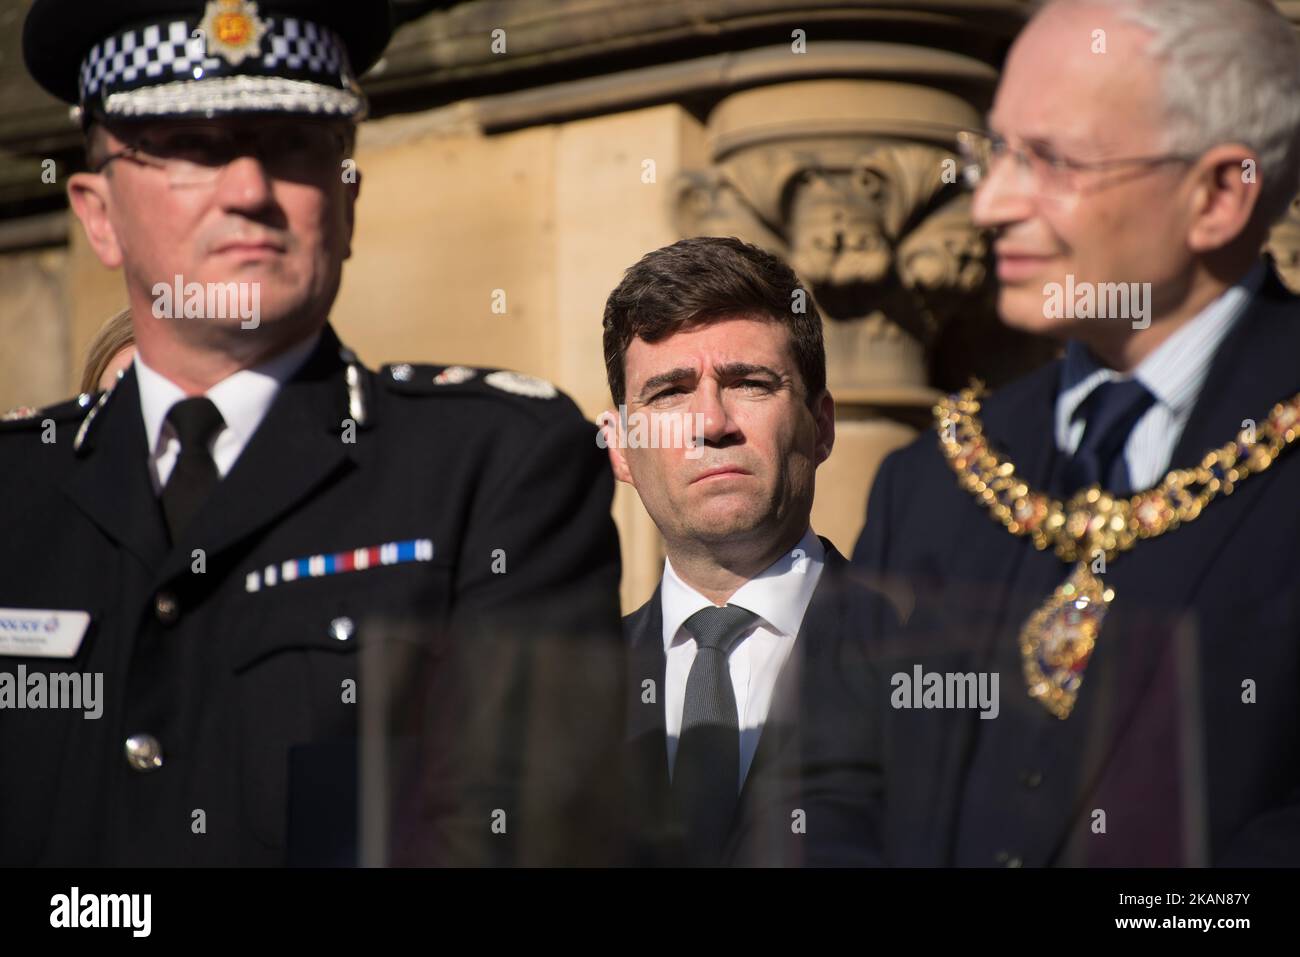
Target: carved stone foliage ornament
[{"x": 875, "y": 221}]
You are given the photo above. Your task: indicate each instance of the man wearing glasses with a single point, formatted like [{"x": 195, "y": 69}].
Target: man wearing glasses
[
  {"x": 1115, "y": 536},
  {"x": 211, "y": 548}
]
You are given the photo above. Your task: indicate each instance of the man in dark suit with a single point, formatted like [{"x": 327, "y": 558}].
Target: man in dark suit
[
  {"x": 1115, "y": 536},
  {"x": 733, "y": 657},
  {"x": 211, "y": 549}
]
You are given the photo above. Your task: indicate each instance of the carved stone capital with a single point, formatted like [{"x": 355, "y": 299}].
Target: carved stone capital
[{"x": 855, "y": 184}]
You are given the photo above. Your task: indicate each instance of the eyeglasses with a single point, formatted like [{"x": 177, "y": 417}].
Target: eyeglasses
[
  {"x": 194, "y": 154},
  {"x": 1051, "y": 173}
]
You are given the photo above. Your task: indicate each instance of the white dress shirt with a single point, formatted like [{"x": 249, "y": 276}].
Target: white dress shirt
[
  {"x": 1174, "y": 374},
  {"x": 241, "y": 398},
  {"x": 779, "y": 596}
]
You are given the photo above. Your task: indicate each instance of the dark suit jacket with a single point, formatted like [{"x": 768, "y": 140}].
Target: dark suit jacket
[
  {"x": 515, "y": 695},
  {"x": 1165, "y": 747},
  {"x": 818, "y": 697}
]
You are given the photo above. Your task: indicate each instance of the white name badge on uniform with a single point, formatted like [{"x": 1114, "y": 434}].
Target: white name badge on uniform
[{"x": 42, "y": 632}]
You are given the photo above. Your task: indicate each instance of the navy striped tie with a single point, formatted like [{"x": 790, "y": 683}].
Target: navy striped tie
[{"x": 1111, "y": 412}]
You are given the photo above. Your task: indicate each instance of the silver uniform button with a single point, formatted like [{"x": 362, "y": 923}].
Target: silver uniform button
[
  {"x": 166, "y": 608},
  {"x": 342, "y": 628},
  {"x": 143, "y": 752}
]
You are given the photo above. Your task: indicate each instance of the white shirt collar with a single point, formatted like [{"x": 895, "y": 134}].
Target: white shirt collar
[
  {"x": 780, "y": 594},
  {"x": 242, "y": 398},
  {"x": 1174, "y": 372}
]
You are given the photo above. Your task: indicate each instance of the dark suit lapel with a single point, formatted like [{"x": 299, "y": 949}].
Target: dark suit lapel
[
  {"x": 297, "y": 447},
  {"x": 989, "y": 590},
  {"x": 111, "y": 483},
  {"x": 822, "y": 624},
  {"x": 778, "y": 756},
  {"x": 656, "y": 839},
  {"x": 647, "y": 662},
  {"x": 1019, "y": 417},
  {"x": 1012, "y": 579}
]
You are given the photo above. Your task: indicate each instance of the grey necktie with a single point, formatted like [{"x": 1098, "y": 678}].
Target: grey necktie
[{"x": 706, "y": 773}]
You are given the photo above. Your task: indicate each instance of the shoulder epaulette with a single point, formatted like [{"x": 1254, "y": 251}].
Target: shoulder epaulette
[
  {"x": 28, "y": 417},
  {"x": 419, "y": 379}
]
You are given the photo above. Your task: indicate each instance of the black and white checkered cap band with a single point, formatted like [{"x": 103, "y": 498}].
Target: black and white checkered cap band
[{"x": 165, "y": 69}]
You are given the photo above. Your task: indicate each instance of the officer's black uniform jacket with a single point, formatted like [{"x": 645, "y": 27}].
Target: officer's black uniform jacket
[
  {"x": 1160, "y": 739},
  {"x": 513, "y": 696}
]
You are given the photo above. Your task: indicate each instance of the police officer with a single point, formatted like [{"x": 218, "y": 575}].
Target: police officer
[{"x": 221, "y": 538}]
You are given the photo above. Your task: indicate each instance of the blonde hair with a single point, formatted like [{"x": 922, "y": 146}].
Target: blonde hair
[{"x": 113, "y": 336}]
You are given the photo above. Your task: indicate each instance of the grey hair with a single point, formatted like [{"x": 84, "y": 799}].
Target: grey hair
[{"x": 1231, "y": 75}]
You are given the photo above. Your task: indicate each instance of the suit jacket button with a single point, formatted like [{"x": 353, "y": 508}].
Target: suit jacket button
[
  {"x": 166, "y": 608},
  {"x": 143, "y": 752},
  {"x": 1031, "y": 779}
]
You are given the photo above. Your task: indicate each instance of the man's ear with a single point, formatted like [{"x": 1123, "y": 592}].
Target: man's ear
[
  {"x": 88, "y": 196},
  {"x": 611, "y": 437},
  {"x": 353, "y": 192},
  {"x": 1225, "y": 193},
  {"x": 824, "y": 415}
]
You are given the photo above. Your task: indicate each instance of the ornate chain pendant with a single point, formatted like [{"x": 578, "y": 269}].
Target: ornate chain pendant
[{"x": 1058, "y": 639}]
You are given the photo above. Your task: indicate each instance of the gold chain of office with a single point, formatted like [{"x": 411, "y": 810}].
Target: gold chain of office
[
  {"x": 1093, "y": 521},
  {"x": 1057, "y": 640}
]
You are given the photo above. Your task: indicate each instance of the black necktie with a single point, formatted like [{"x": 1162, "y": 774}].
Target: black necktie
[
  {"x": 706, "y": 774},
  {"x": 194, "y": 475},
  {"x": 1110, "y": 412}
]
